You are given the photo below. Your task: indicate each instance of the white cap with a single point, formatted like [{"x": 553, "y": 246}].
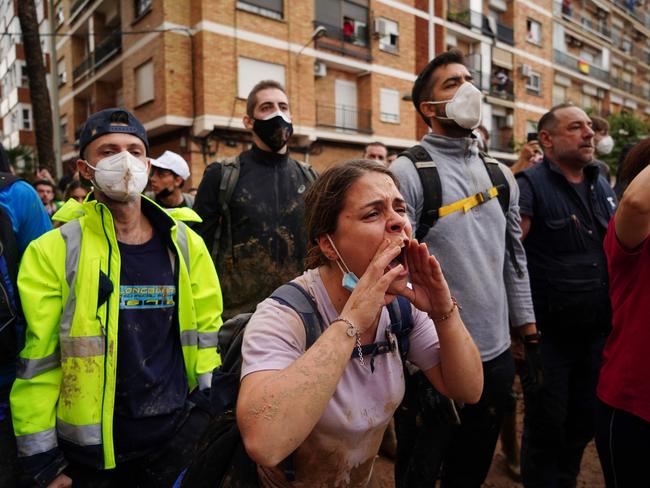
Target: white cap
[{"x": 173, "y": 162}]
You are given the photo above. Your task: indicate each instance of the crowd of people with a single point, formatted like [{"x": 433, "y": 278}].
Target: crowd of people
[{"x": 435, "y": 276}]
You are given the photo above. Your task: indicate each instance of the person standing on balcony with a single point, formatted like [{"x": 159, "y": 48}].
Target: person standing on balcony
[
  {"x": 476, "y": 240},
  {"x": 252, "y": 206}
]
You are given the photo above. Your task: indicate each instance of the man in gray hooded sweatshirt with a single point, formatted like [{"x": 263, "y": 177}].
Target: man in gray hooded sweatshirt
[{"x": 487, "y": 277}]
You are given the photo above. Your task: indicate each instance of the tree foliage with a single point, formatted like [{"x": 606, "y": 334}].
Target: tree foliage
[{"x": 625, "y": 129}]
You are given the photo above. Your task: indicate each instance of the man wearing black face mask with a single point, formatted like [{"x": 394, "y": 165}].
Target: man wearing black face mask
[{"x": 252, "y": 206}]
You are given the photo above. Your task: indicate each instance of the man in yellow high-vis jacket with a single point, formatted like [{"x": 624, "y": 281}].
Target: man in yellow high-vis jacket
[{"x": 123, "y": 306}]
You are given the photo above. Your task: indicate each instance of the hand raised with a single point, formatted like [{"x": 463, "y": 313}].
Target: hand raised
[
  {"x": 369, "y": 296},
  {"x": 429, "y": 291}
]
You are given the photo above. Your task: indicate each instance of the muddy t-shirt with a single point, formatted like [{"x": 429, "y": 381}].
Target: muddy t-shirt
[
  {"x": 151, "y": 387},
  {"x": 341, "y": 449}
]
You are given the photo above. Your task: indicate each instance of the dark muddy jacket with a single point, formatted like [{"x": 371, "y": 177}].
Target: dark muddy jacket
[{"x": 269, "y": 241}]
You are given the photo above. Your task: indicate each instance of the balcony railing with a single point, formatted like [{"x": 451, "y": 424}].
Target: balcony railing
[
  {"x": 503, "y": 90},
  {"x": 505, "y": 34},
  {"x": 569, "y": 13},
  {"x": 480, "y": 80},
  {"x": 500, "y": 140},
  {"x": 574, "y": 63},
  {"x": 104, "y": 51},
  {"x": 78, "y": 7},
  {"x": 637, "y": 13},
  {"x": 459, "y": 11},
  {"x": 355, "y": 44},
  {"x": 343, "y": 117}
]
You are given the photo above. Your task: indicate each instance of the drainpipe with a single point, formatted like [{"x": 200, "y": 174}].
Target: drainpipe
[
  {"x": 54, "y": 94},
  {"x": 432, "y": 40}
]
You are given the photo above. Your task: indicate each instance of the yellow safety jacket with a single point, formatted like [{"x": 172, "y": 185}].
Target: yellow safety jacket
[{"x": 65, "y": 386}]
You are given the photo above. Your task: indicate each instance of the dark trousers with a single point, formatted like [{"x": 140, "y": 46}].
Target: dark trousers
[
  {"x": 559, "y": 418},
  {"x": 8, "y": 462},
  {"x": 623, "y": 443},
  {"x": 430, "y": 441},
  {"x": 156, "y": 470}
]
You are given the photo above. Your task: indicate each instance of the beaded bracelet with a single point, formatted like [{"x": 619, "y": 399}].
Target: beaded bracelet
[{"x": 454, "y": 306}]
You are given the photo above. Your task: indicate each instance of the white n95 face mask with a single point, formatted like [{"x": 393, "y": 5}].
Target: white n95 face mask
[
  {"x": 465, "y": 108},
  {"x": 605, "y": 145},
  {"x": 121, "y": 177}
]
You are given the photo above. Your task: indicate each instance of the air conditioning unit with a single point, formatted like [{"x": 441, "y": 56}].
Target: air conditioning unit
[
  {"x": 62, "y": 77},
  {"x": 381, "y": 28},
  {"x": 320, "y": 69},
  {"x": 526, "y": 70}
]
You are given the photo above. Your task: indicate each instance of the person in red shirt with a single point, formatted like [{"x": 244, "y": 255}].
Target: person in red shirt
[{"x": 623, "y": 413}]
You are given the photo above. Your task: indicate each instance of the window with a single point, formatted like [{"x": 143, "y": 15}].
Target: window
[
  {"x": 63, "y": 129},
  {"x": 141, "y": 7},
  {"x": 61, "y": 72},
  {"x": 388, "y": 31},
  {"x": 389, "y": 105},
  {"x": 269, "y": 8},
  {"x": 251, "y": 71},
  {"x": 531, "y": 126},
  {"x": 534, "y": 82},
  {"x": 21, "y": 74},
  {"x": 589, "y": 102},
  {"x": 559, "y": 94},
  {"x": 533, "y": 31},
  {"x": 26, "y": 123},
  {"x": 346, "y": 20},
  {"x": 144, "y": 87}
]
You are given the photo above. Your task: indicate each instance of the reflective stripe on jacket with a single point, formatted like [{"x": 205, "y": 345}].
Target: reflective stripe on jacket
[{"x": 67, "y": 373}]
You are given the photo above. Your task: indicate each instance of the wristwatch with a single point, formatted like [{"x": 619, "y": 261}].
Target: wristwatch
[{"x": 352, "y": 330}]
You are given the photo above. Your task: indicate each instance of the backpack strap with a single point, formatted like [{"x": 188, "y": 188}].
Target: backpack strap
[
  {"x": 229, "y": 176},
  {"x": 308, "y": 171},
  {"x": 500, "y": 182},
  {"x": 431, "y": 188},
  {"x": 401, "y": 323},
  {"x": 294, "y": 296}
]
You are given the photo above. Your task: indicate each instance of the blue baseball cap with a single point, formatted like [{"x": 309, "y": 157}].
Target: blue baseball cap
[{"x": 109, "y": 121}]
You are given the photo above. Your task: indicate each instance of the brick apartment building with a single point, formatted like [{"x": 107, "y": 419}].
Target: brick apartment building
[
  {"x": 184, "y": 67},
  {"x": 16, "y": 117}
]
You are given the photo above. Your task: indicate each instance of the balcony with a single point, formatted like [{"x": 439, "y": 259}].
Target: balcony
[
  {"x": 501, "y": 140},
  {"x": 458, "y": 11},
  {"x": 77, "y": 7},
  {"x": 569, "y": 61},
  {"x": 636, "y": 13},
  {"x": 344, "y": 118},
  {"x": 502, "y": 90},
  {"x": 104, "y": 51},
  {"x": 505, "y": 34},
  {"x": 626, "y": 86},
  {"x": 353, "y": 44},
  {"x": 597, "y": 28}
]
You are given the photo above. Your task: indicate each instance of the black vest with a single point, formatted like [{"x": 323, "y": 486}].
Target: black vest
[{"x": 564, "y": 249}]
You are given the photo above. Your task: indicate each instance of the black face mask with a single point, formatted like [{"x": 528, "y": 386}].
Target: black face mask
[
  {"x": 274, "y": 131},
  {"x": 164, "y": 193}
]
